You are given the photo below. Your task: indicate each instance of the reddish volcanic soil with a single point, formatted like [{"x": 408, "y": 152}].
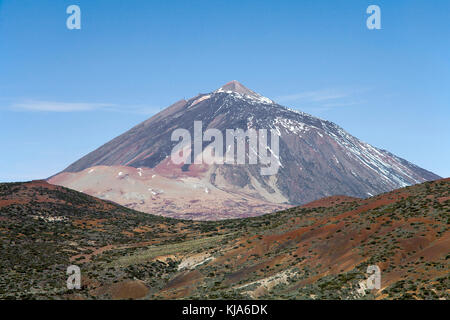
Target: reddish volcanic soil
[{"x": 330, "y": 201}]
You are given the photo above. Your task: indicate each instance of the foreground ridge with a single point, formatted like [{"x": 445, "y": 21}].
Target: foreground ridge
[{"x": 318, "y": 251}]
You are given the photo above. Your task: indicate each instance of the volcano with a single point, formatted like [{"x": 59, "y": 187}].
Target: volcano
[{"x": 317, "y": 159}]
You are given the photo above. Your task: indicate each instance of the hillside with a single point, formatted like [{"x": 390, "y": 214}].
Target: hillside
[{"x": 317, "y": 251}]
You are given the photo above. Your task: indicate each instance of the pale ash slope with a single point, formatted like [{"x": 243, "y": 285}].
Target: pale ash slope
[
  {"x": 178, "y": 195},
  {"x": 318, "y": 158}
]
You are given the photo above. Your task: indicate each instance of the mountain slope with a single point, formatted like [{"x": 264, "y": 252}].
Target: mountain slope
[
  {"x": 317, "y": 158},
  {"x": 165, "y": 191},
  {"x": 318, "y": 251}
]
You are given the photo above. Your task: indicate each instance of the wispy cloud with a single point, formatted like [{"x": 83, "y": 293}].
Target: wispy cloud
[
  {"x": 137, "y": 109},
  {"x": 324, "y": 99},
  {"x": 313, "y": 96},
  {"x": 59, "y": 106},
  {"x": 343, "y": 104},
  {"x": 54, "y": 106}
]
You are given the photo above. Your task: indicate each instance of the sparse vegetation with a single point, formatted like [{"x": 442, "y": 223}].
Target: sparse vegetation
[{"x": 312, "y": 252}]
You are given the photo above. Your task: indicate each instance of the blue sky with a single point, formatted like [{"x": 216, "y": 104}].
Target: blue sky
[{"x": 64, "y": 93}]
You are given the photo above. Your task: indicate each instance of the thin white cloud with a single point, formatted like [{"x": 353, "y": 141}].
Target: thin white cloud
[
  {"x": 314, "y": 96},
  {"x": 59, "y": 106},
  {"x": 324, "y": 99},
  {"x": 138, "y": 109},
  {"x": 54, "y": 106},
  {"x": 342, "y": 104}
]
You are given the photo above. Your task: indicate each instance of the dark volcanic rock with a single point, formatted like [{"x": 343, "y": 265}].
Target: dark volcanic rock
[{"x": 318, "y": 158}]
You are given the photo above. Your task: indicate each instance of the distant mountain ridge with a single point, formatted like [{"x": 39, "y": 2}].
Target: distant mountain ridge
[{"x": 318, "y": 158}]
